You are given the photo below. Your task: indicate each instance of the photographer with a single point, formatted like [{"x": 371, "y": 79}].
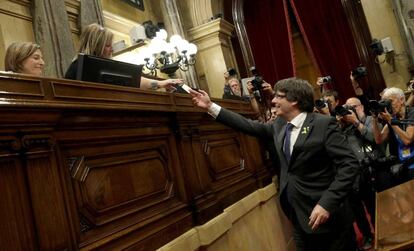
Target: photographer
[
  {"x": 400, "y": 136},
  {"x": 267, "y": 92},
  {"x": 358, "y": 90},
  {"x": 232, "y": 87},
  {"x": 357, "y": 127},
  {"x": 328, "y": 102}
]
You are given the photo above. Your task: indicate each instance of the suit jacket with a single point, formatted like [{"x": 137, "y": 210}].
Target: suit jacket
[{"x": 321, "y": 170}]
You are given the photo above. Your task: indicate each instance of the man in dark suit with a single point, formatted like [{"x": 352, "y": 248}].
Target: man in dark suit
[{"x": 317, "y": 166}]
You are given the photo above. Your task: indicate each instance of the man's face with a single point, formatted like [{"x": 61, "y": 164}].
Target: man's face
[
  {"x": 332, "y": 101},
  {"x": 283, "y": 107},
  {"x": 359, "y": 108},
  {"x": 397, "y": 104},
  {"x": 235, "y": 87}
]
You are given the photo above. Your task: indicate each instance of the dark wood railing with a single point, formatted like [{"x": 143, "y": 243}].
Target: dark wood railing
[{"x": 93, "y": 166}]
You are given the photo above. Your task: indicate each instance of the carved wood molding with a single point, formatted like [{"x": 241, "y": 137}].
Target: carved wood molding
[
  {"x": 84, "y": 224},
  {"x": 26, "y": 143},
  {"x": 10, "y": 144},
  {"x": 74, "y": 164},
  {"x": 35, "y": 141}
]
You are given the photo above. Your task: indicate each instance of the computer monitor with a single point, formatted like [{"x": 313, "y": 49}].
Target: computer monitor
[{"x": 108, "y": 71}]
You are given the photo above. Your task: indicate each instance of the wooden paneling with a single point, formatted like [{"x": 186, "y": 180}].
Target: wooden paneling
[{"x": 93, "y": 166}]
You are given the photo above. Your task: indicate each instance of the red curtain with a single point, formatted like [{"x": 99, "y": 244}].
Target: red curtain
[
  {"x": 270, "y": 38},
  {"x": 326, "y": 31}
]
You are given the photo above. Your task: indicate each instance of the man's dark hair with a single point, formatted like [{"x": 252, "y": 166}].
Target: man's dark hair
[
  {"x": 330, "y": 93},
  {"x": 298, "y": 90}
]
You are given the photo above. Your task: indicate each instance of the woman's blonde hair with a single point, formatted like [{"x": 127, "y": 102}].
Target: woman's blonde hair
[
  {"x": 16, "y": 53},
  {"x": 93, "y": 40}
]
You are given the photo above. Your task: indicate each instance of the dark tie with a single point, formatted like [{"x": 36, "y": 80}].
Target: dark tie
[{"x": 286, "y": 145}]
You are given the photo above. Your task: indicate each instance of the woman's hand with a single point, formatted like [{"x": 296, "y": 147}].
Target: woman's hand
[{"x": 170, "y": 84}]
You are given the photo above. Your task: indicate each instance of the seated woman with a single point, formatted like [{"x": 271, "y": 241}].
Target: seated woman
[
  {"x": 96, "y": 40},
  {"x": 25, "y": 58}
]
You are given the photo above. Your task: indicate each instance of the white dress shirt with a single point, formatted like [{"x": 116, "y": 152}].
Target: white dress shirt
[{"x": 297, "y": 123}]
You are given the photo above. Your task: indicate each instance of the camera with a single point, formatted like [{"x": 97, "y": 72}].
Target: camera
[
  {"x": 321, "y": 103},
  {"x": 343, "y": 110},
  {"x": 359, "y": 72},
  {"x": 232, "y": 72},
  {"x": 376, "y": 107},
  {"x": 257, "y": 81},
  {"x": 325, "y": 80}
]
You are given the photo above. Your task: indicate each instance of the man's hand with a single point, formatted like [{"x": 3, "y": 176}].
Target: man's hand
[
  {"x": 267, "y": 89},
  {"x": 325, "y": 111},
  {"x": 201, "y": 99},
  {"x": 318, "y": 216},
  {"x": 226, "y": 75},
  {"x": 350, "y": 118},
  {"x": 351, "y": 77},
  {"x": 385, "y": 116},
  {"x": 319, "y": 81},
  {"x": 250, "y": 87}
]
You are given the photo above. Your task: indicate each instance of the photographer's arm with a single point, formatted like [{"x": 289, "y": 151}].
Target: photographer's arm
[
  {"x": 410, "y": 100},
  {"x": 253, "y": 101},
  {"x": 366, "y": 129},
  {"x": 407, "y": 137},
  {"x": 355, "y": 85},
  {"x": 379, "y": 136}
]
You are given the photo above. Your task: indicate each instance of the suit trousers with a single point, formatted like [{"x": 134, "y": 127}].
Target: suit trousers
[{"x": 341, "y": 238}]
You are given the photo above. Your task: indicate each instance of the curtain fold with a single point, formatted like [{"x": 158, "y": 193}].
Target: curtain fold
[
  {"x": 267, "y": 26},
  {"x": 328, "y": 36}
]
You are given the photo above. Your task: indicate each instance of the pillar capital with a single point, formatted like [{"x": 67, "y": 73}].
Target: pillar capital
[{"x": 215, "y": 53}]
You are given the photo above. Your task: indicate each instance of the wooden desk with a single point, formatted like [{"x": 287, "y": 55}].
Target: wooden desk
[{"x": 93, "y": 166}]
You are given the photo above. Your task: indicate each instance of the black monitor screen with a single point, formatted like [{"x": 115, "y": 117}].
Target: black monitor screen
[{"x": 108, "y": 71}]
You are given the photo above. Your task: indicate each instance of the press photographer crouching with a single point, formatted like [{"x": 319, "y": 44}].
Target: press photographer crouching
[
  {"x": 358, "y": 129},
  {"x": 398, "y": 131}
]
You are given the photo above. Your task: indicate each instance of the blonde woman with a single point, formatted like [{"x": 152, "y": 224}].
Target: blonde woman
[
  {"x": 97, "y": 41},
  {"x": 25, "y": 58}
]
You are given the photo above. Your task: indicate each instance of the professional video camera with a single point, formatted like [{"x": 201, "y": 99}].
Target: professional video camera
[
  {"x": 359, "y": 72},
  {"x": 376, "y": 107},
  {"x": 257, "y": 81}
]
